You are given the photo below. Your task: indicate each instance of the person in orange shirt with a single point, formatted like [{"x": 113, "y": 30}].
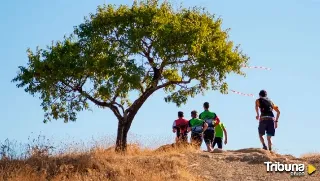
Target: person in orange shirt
[{"x": 267, "y": 121}]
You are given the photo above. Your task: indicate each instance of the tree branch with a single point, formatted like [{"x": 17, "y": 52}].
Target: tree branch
[
  {"x": 97, "y": 102},
  {"x": 183, "y": 86},
  {"x": 116, "y": 94},
  {"x": 173, "y": 83},
  {"x": 133, "y": 109},
  {"x": 83, "y": 80},
  {"x": 145, "y": 77},
  {"x": 146, "y": 49},
  {"x": 119, "y": 105},
  {"x": 110, "y": 105},
  {"x": 148, "y": 52},
  {"x": 179, "y": 62}
]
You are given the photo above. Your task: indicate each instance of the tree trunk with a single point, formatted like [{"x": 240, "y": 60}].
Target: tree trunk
[
  {"x": 123, "y": 129},
  {"x": 124, "y": 122}
]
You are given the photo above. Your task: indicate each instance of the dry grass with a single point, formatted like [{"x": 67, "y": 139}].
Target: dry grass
[
  {"x": 312, "y": 158},
  {"x": 96, "y": 164},
  {"x": 168, "y": 162}
]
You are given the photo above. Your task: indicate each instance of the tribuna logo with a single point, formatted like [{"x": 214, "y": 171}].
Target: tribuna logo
[{"x": 294, "y": 169}]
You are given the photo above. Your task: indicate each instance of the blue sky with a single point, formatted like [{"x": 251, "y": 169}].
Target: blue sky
[{"x": 282, "y": 35}]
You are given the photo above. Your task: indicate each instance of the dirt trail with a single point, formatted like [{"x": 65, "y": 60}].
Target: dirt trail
[{"x": 246, "y": 164}]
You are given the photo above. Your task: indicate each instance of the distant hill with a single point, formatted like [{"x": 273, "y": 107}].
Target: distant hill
[{"x": 165, "y": 163}]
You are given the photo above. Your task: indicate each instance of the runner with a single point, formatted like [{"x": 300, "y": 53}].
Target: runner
[
  {"x": 267, "y": 122},
  {"x": 180, "y": 127},
  {"x": 197, "y": 127},
  {"x": 210, "y": 118},
  {"x": 220, "y": 129}
]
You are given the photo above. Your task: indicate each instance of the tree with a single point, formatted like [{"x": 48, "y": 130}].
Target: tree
[{"x": 119, "y": 50}]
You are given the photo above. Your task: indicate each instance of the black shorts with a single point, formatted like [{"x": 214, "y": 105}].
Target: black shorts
[
  {"x": 182, "y": 136},
  {"x": 267, "y": 126},
  {"x": 208, "y": 136},
  {"x": 179, "y": 133},
  {"x": 196, "y": 138},
  {"x": 218, "y": 141}
]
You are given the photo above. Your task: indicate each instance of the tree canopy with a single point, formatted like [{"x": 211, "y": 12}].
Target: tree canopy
[{"x": 120, "y": 49}]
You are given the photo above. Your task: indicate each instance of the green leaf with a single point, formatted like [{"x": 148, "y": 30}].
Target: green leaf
[{"x": 118, "y": 51}]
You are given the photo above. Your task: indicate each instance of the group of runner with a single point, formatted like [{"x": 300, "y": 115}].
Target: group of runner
[{"x": 207, "y": 126}]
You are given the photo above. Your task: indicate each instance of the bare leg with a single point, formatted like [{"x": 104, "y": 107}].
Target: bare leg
[
  {"x": 209, "y": 147},
  {"x": 269, "y": 142},
  {"x": 262, "y": 141}
]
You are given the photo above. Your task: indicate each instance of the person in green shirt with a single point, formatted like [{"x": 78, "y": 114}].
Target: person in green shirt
[
  {"x": 197, "y": 127},
  {"x": 220, "y": 129},
  {"x": 212, "y": 120}
]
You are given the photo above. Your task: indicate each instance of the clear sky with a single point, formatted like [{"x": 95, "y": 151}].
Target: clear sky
[{"x": 282, "y": 35}]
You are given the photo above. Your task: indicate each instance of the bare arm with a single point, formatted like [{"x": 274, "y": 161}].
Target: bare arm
[
  {"x": 189, "y": 127},
  {"x": 205, "y": 126},
  {"x": 278, "y": 113},
  {"x": 276, "y": 108},
  {"x": 225, "y": 135},
  {"x": 257, "y": 109},
  {"x": 174, "y": 128}
]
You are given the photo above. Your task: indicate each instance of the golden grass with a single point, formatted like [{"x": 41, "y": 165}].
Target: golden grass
[
  {"x": 168, "y": 162},
  {"x": 309, "y": 155},
  {"x": 313, "y": 158},
  {"x": 100, "y": 164}
]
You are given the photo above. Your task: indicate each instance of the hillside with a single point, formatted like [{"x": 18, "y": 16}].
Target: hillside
[{"x": 165, "y": 163}]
